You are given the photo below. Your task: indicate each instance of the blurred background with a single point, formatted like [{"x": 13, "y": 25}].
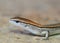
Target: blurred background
[{"x": 41, "y": 11}]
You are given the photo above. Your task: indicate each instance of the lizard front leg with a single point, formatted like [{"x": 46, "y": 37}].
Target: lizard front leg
[{"x": 46, "y": 33}]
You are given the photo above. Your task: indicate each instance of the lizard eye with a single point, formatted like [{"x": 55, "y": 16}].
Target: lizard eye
[{"x": 17, "y": 21}]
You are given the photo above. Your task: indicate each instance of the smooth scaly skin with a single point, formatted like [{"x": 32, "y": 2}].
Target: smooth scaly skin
[{"x": 35, "y": 28}]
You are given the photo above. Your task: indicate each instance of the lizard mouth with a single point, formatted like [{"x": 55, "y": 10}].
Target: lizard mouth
[{"x": 14, "y": 22}]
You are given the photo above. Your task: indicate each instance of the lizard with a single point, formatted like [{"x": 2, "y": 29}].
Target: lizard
[{"x": 36, "y": 28}]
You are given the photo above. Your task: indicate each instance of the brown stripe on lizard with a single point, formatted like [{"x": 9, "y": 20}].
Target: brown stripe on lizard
[{"x": 27, "y": 21}]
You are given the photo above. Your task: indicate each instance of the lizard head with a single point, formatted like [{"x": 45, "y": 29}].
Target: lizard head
[{"x": 17, "y": 21}]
